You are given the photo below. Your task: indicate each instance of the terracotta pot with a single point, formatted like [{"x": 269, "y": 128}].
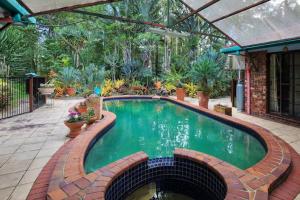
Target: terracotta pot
[
  {"x": 157, "y": 85},
  {"x": 75, "y": 128},
  {"x": 180, "y": 93},
  {"x": 71, "y": 91},
  {"x": 203, "y": 99},
  {"x": 81, "y": 109}
]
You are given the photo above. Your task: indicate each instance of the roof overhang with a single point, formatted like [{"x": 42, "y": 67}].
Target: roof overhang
[
  {"x": 251, "y": 22},
  {"x": 12, "y": 12},
  {"x": 278, "y": 46}
]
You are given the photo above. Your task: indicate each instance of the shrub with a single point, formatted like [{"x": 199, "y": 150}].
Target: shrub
[
  {"x": 191, "y": 89},
  {"x": 170, "y": 88},
  {"x": 107, "y": 88},
  {"x": 68, "y": 76},
  {"x": 119, "y": 83}
]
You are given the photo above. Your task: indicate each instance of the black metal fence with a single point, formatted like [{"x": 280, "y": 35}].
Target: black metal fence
[{"x": 19, "y": 95}]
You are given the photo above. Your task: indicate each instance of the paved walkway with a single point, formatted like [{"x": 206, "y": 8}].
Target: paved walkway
[{"x": 28, "y": 141}]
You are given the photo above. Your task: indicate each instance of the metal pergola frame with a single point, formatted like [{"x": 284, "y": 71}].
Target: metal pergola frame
[
  {"x": 193, "y": 11},
  {"x": 67, "y": 8}
]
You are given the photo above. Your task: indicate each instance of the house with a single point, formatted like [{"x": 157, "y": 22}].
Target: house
[{"x": 272, "y": 78}]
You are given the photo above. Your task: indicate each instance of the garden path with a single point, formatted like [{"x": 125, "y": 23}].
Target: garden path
[{"x": 27, "y": 142}]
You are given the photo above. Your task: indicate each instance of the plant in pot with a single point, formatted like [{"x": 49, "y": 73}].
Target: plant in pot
[
  {"x": 180, "y": 91},
  {"x": 90, "y": 116},
  {"x": 46, "y": 88},
  {"x": 68, "y": 77},
  {"x": 175, "y": 78},
  {"x": 82, "y": 107},
  {"x": 74, "y": 122},
  {"x": 205, "y": 72}
]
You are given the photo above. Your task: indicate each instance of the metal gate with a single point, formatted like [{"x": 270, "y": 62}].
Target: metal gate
[{"x": 19, "y": 95}]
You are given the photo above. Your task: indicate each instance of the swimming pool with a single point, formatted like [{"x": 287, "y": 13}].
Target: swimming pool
[{"x": 157, "y": 127}]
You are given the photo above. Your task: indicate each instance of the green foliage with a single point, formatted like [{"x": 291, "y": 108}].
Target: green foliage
[
  {"x": 19, "y": 49},
  {"x": 174, "y": 78},
  {"x": 128, "y": 51},
  {"x": 92, "y": 76},
  {"x": 207, "y": 70},
  {"x": 68, "y": 76},
  {"x": 5, "y": 94},
  {"x": 170, "y": 88},
  {"x": 191, "y": 89}
]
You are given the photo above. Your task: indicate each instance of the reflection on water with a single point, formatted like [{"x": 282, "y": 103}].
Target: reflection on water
[
  {"x": 158, "y": 127},
  {"x": 149, "y": 192}
]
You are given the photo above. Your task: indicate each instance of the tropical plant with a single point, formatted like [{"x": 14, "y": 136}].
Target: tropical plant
[
  {"x": 170, "y": 87},
  {"x": 207, "y": 70},
  {"x": 107, "y": 88},
  {"x": 68, "y": 76},
  {"x": 191, "y": 89},
  {"x": 92, "y": 76},
  {"x": 130, "y": 70},
  {"x": 119, "y": 83},
  {"x": 174, "y": 78},
  {"x": 135, "y": 83}
]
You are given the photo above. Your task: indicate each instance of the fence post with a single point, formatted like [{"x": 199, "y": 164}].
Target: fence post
[{"x": 31, "y": 94}]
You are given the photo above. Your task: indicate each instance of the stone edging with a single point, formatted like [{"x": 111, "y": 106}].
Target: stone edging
[{"x": 68, "y": 178}]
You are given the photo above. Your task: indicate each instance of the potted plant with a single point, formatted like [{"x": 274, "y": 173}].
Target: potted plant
[
  {"x": 223, "y": 109},
  {"x": 82, "y": 107},
  {"x": 74, "y": 122},
  {"x": 175, "y": 78},
  {"x": 205, "y": 72},
  {"x": 46, "y": 88},
  {"x": 95, "y": 102},
  {"x": 180, "y": 91},
  {"x": 68, "y": 77},
  {"x": 90, "y": 116}
]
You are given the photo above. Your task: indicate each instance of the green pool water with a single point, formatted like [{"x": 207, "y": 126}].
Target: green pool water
[{"x": 157, "y": 127}]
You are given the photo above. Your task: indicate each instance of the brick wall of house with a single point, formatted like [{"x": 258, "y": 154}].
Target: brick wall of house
[{"x": 258, "y": 83}]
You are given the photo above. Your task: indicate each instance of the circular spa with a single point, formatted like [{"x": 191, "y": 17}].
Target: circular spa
[
  {"x": 157, "y": 127},
  {"x": 169, "y": 179}
]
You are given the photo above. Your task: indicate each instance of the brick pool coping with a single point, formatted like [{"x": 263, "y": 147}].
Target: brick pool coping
[{"x": 64, "y": 177}]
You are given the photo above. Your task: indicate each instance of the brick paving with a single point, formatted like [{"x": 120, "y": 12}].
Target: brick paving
[{"x": 27, "y": 142}]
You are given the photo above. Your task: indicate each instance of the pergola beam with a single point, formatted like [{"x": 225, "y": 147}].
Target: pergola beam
[
  {"x": 5, "y": 26},
  {"x": 122, "y": 19},
  {"x": 67, "y": 8},
  {"x": 240, "y": 10},
  {"x": 210, "y": 23},
  {"x": 126, "y": 20},
  {"x": 193, "y": 12}
]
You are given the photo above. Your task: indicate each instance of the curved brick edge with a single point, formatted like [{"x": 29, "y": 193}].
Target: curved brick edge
[
  {"x": 229, "y": 173},
  {"x": 68, "y": 176},
  {"x": 95, "y": 186},
  {"x": 290, "y": 188},
  {"x": 272, "y": 169}
]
